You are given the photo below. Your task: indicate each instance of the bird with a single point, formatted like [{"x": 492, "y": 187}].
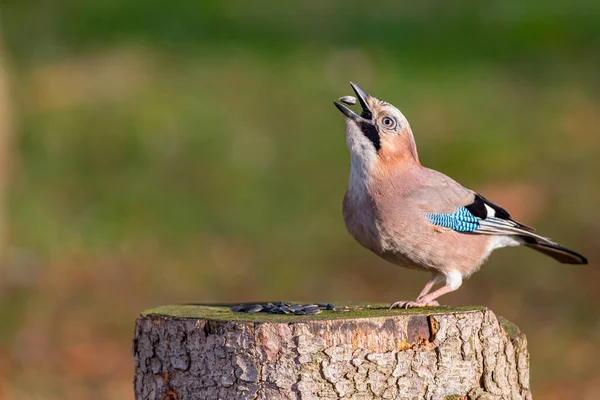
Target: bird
[{"x": 417, "y": 217}]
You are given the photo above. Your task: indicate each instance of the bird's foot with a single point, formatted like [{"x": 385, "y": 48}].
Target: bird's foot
[{"x": 414, "y": 304}]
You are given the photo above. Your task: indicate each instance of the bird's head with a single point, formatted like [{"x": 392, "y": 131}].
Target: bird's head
[{"x": 380, "y": 136}]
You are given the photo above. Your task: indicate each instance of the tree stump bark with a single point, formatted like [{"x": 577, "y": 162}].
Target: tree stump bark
[{"x": 361, "y": 352}]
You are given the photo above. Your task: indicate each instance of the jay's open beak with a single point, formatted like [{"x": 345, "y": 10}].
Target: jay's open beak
[{"x": 362, "y": 99}]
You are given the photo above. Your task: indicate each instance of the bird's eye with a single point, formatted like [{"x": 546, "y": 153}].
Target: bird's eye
[{"x": 388, "y": 122}]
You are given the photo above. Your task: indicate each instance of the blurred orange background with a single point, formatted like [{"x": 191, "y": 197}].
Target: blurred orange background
[{"x": 189, "y": 152}]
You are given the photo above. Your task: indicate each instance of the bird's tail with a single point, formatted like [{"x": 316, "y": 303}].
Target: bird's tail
[{"x": 556, "y": 251}]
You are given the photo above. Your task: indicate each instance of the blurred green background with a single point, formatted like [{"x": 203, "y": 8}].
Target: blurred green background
[{"x": 189, "y": 151}]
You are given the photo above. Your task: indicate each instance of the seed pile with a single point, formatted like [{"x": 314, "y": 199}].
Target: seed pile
[{"x": 284, "y": 308}]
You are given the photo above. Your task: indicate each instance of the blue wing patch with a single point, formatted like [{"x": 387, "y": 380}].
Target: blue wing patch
[{"x": 461, "y": 221}]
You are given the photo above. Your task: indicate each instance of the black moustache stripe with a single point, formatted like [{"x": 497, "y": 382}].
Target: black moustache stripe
[{"x": 371, "y": 132}]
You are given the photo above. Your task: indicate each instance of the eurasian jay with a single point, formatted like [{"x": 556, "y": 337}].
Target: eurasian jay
[{"x": 417, "y": 217}]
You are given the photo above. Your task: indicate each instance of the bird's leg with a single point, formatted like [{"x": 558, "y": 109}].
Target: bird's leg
[
  {"x": 433, "y": 279},
  {"x": 430, "y": 298},
  {"x": 453, "y": 282}
]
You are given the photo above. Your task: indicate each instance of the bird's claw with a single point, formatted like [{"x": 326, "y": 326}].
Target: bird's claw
[{"x": 414, "y": 304}]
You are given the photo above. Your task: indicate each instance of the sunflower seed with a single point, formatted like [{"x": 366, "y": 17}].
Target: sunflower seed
[
  {"x": 311, "y": 307},
  {"x": 300, "y": 312},
  {"x": 326, "y": 306},
  {"x": 312, "y": 311},
  {"x": 254, "y": 309},
  {"x": 350, "y": 100},
  {"x": 236, "y": 308}
]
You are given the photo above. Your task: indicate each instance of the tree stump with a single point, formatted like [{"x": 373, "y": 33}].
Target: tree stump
[{"x": 354, "y": 352}]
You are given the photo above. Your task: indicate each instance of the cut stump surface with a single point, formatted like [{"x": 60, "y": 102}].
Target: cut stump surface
[{"x": 361, "y": 352}]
